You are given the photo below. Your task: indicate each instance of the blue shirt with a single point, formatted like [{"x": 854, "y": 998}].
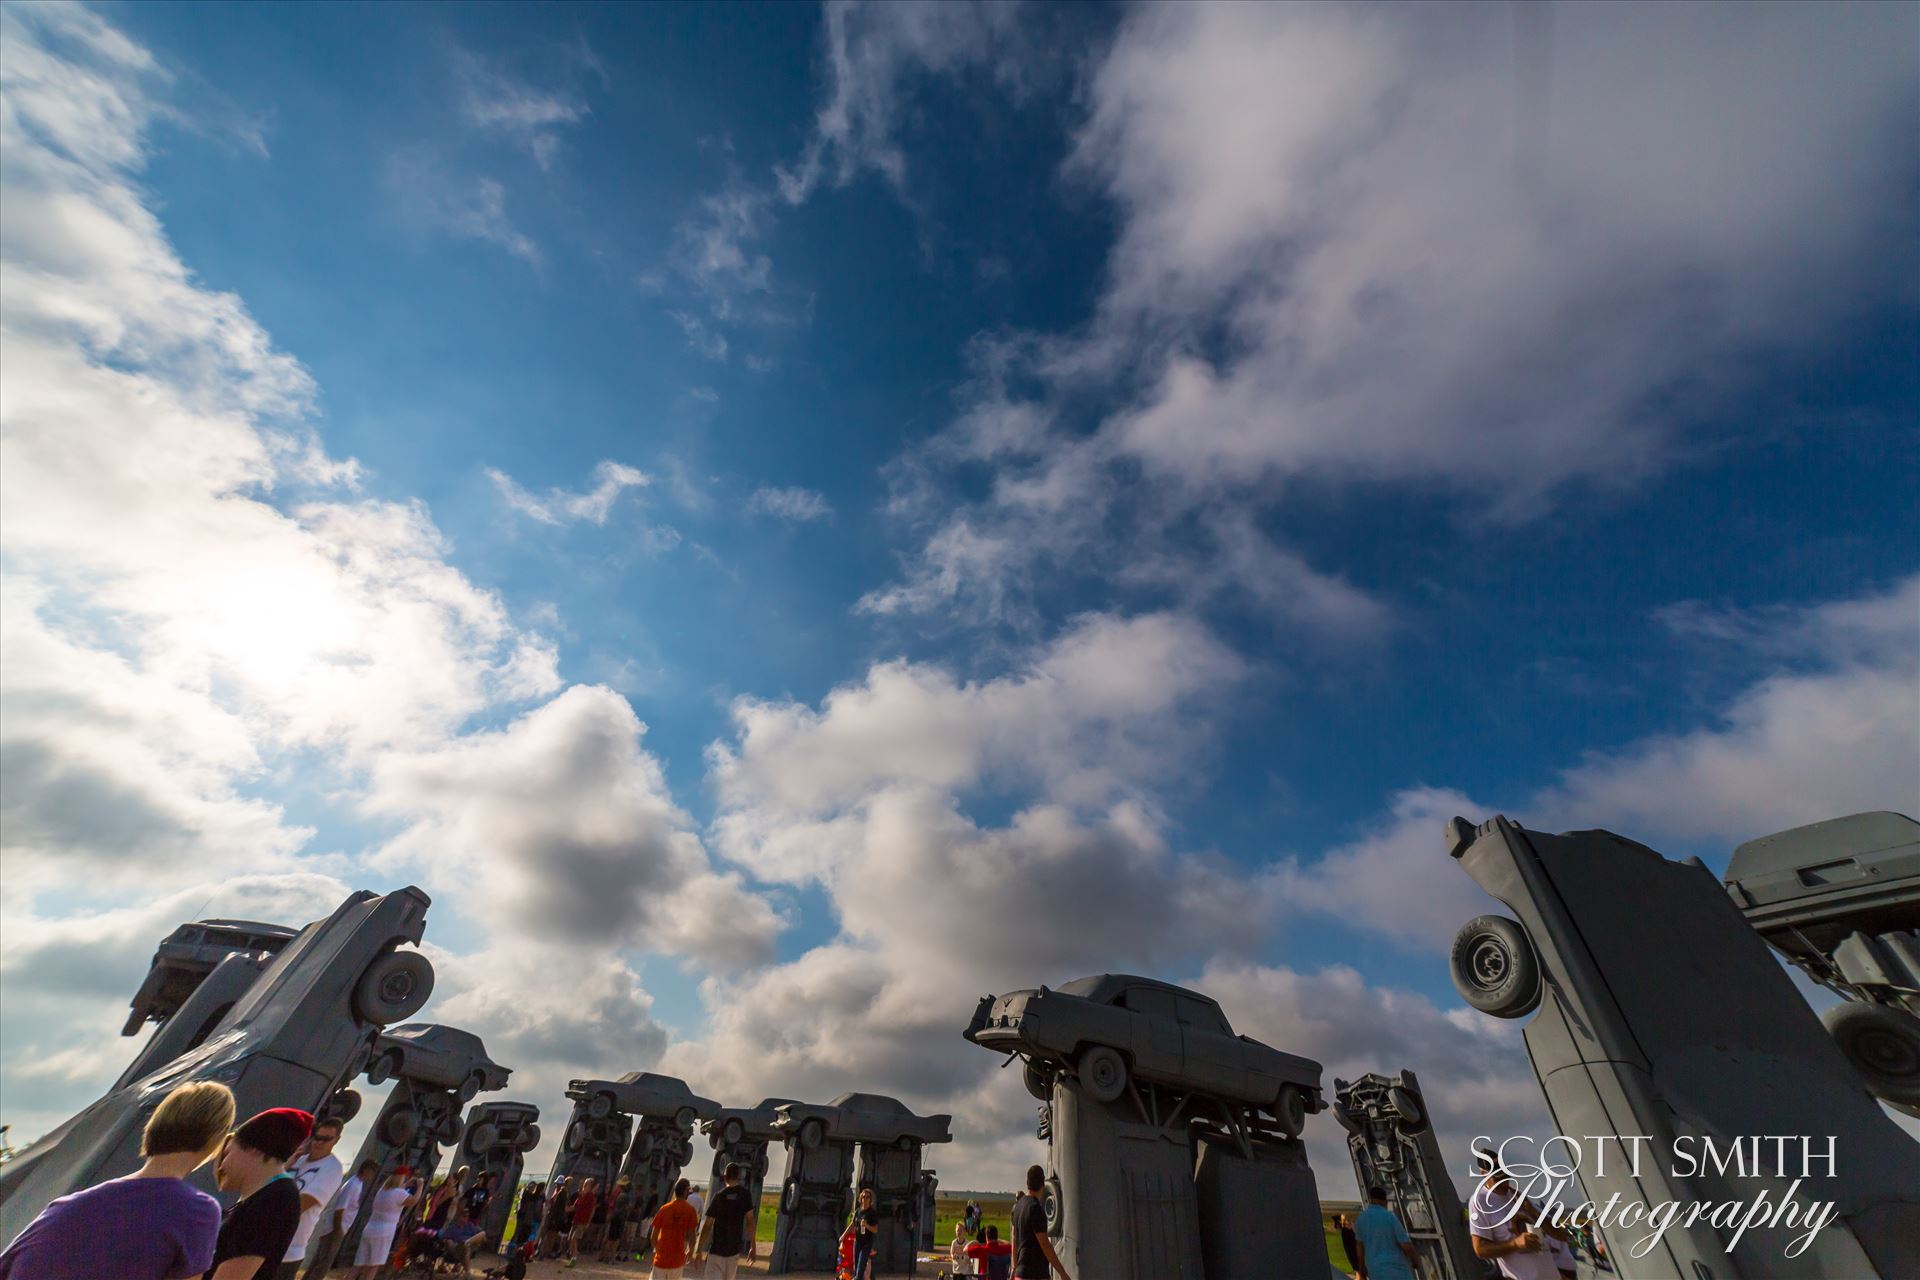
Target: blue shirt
[{"x": 1381, "y": 1235}]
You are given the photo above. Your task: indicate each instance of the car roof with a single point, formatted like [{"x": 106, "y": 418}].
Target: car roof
[{"x": 1105, "y": 988}]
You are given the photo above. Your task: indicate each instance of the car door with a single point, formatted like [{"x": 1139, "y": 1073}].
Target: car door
[
  {"x": 1158, "y": 1049},
  {"x": 1216, "y": 1061}
]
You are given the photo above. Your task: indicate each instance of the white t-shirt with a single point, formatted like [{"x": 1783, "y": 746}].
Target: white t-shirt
[
  {"x": 1488, "y": 1212},
  {"x": 387, "y": 1205},
  {"x": 347, "y": 1202},
  {"x": 319, "y": 1179},
  {"x": 699, "y": 1203}
]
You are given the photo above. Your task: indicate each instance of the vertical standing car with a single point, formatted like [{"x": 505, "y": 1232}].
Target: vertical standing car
[
  {"x": 1662, "y": 1014},
  {"x": 1391, "y": 1142}
]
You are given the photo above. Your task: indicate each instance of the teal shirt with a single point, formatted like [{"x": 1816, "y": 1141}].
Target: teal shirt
[{"x": 1381, "y": 1235}]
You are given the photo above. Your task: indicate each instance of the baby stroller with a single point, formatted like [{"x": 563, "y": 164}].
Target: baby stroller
[
  {"x": 844, "y": 1270},
  {"x": 425, "y": 1253}
]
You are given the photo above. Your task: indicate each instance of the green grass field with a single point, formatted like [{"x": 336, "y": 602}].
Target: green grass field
[{"x": 948, "y": 1210}]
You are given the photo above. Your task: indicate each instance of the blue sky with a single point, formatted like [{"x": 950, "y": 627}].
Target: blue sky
[{"x": 1061, "y": 488}]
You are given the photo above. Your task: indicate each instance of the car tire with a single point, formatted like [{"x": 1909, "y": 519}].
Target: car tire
[
  {"x": 790, "y": 1198},
  {"x": 1102, "y": 1072},
  {"x": 450, "y": 1131},
  {"x": 600, "y": 1106},
  {"x": 685, "y": 1118},
  {"x": 344, "y": 1106},
  {"x": 529, "y": 1137},
  {"x": 481, "y": 1136},
  {"x": 733, "y": 1132},
  {"x": 393, "y": 988},
  {"x": 576, "y": 1136},
  {"x": 1347, "y": 1119},
  {"x": 1494, "y": 967},
  {"x": 398, "y": 1128},
  {"x": 813, "y": 1132},
  {"x": 643, "y": 1147},
  {"x": 384, "y": 1067},
  {"x": 1413, "y": 1115},
  {"x": 1882, "y": 1044},
  {"x": 1055, "y": 1204},
  {"x": 1038, "y": 1078},
  {"x": 1290, "y": 1110},
  {"x": 469, "y": 1088},
  {"x": 762, "y": 1162}
]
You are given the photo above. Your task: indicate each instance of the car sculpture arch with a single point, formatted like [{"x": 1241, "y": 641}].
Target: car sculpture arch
[
  {"x": 422, "y": 1113},
  {"x": 742, "y": 1136},
  {"x": 495, "y": 1143},
  {"x": 858, "y": 1139},
  {"x": 1661, "y": 1013},
  {"x": 1174, "y": 1143}
]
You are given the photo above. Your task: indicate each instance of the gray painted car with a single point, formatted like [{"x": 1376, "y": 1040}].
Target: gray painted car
[
  {"x": 1841, "y": 900},
  {"x": 436, "y": 1057},
  {"x": 859, "y": 1117},
  {"x": 186, "y": 956},
  {"x": 642, "y": 1093},
  {"x": 1110, "y": 1028}
]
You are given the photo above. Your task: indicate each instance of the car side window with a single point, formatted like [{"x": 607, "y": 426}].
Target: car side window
[
  {"x": 1198, "y": 1013},
  {"x": 1150, "y": 1001}
]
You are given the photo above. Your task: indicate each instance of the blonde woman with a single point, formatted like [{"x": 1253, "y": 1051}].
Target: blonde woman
[{"x": 149, "y": 1225}]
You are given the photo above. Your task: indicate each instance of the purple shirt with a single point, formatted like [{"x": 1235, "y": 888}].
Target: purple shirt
[{"x": 130, "y": 1228}]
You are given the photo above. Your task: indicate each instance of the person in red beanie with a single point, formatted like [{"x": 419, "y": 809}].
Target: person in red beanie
[{"x": 257, "y": 1230}]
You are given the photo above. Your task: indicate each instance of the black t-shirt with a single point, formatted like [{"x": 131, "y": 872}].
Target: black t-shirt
[
  {"x": 729, "y": 1213},
  {"x": 1029, "y": 1222},
  {"x": 476, "y": 1202},
  {"x": 869, "y": 1222},
  {"x": 261, "y": 1225}
]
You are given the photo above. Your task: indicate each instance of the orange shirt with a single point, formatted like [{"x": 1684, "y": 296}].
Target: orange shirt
[{"x": 673, "y": 1226}]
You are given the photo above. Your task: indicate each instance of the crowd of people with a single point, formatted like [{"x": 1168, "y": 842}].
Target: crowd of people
[{"x": 292, "y": 1207}]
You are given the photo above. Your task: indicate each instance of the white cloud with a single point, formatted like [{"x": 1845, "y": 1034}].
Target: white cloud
[
  {"x": 1347, "y": 254},
  {"x": 467, "y": 208},
  {"x": 1092, "y": 720},
  {"x": 700, "y": 337},
  {"x": 792, "y": 503},
  {"x": 872, "y": 49},
  {"x": 1473, "y": 1069},
  {"x": 560, "y": 824},
  {"x": 494, "y": 100},
  {"x": 560, "y": 506},
  {"x": 1395, "y": 879},
  {"x": 1833, "y": 729}
]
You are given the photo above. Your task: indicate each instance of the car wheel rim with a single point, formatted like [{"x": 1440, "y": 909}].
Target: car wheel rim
[
  {"x": 1490, "y": 965},
  {"x": 1888, "y": 1053}
]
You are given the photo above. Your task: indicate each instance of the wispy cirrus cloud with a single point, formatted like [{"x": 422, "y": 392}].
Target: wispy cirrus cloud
[
  {"x": 434, "y": 198},
  {"x": 562, "y": 506},
  {"x": 496, "y": 101},
  {"x": 790, "y": 503}
]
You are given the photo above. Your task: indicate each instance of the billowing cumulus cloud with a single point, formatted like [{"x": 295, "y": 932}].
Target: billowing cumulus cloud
[
  {"x": 1352, "y": 251},
  {"x": 560, "y": 824}
]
